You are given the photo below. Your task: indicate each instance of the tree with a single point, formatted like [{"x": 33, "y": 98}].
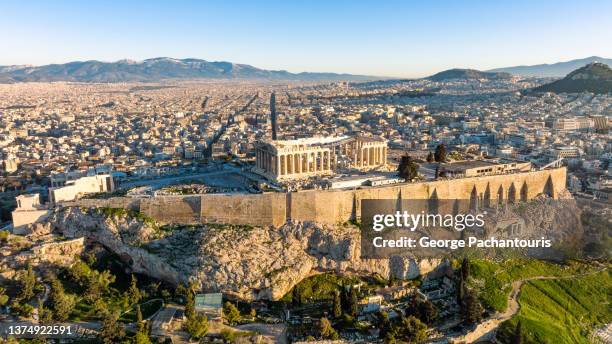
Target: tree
[
  {"x": 430, "y": 157},
  {"x": 98, "y": 284},
  {"x": 231, "y": 313},
  {"x": 80, "y": 273},
  {"x": 465, "y": 268},
  {"x": 3, "y": 297},
  {"x": 180, "y": 291},
  {"x": 142, "y": 335},
  {"x": 197, "y": 326},
  {"x": 295, "y": 296},
  {"x": 460, "y": 290},
  {"x": 61, "y": 303},
  {"x": 517, "y": 337},
  {"x": 326, "y": 329},
  {"x": 27, "y": 283},
  {"x": 472, "y": 309},
  {"x": 413, "y": 330},
  {"x": 134, "y": 293},
  {"x": 408, "y": 169},
  {"x": 44, "y": 315},
  {"x": 112, "y": 331},
  {"x": 427, "y": 312},
  {"x": 189, "y": 304},
  {"x": 440, "y": 154},
  {"x": 337, "y": 305},
  {"x": 352, "y": 306},
  {"x": 385, "y": 325},
  {"x": 412, "y": 306}
]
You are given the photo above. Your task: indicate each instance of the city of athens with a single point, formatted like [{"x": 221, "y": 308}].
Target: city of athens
[{"x": 305, "y": 172}]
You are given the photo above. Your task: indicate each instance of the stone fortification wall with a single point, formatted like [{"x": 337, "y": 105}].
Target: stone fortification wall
[{"x": 333, "y": 206}]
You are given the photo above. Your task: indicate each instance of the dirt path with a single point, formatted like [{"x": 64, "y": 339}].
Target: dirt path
[{"x": 486, "y": 330}]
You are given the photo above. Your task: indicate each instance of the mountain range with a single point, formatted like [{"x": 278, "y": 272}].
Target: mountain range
[
  {"x": 156, "y": 69},
  {"x": 467, "y": 74},
  {"x": 595, "y": 77},
  {"x": 559, "y": 69}
]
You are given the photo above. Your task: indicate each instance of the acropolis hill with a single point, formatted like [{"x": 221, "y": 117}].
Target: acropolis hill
[
  {"x": 289, "y": 236},
  {"x": 332, "y": 206}
]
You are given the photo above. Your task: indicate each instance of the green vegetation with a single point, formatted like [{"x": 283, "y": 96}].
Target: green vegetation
[
  {"x": 196, "y": 324},
  {"x": 100, "y": 288},
  {"x": 319, "y": 287},
  {"x": 492, "y": 281},
  {"x": 107, "y": 195},
  {"x": 409, "y": 329},
  {"x": 231, "y": 314},
  {"x": 561, "y": 310},
  {"x": 408, "y": 168},
  {"x": 440, "y": 153},
  {"x": 122, "y": 212},
  {"x": 326, "y": 331}
]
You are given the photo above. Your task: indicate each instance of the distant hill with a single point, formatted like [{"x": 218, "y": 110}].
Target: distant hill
[
  {"x": 595, "y": 77},
  {"x": 156, "y": 69},
  {"x": 559, "y": 69},
  {"x": 467, "y": 74}
]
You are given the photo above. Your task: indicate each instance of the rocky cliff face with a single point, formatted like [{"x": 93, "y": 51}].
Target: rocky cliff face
[
  {"x": 247, "y": 262},
  {"x": 265, "y": 262}
]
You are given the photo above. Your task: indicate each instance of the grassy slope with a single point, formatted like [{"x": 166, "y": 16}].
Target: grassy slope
[
  {"x": 562, "y": 311},
  {"x": 493, "y": 281}
]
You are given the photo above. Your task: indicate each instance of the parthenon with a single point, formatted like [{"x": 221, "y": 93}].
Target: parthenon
[{"x": 303, "y": 158}]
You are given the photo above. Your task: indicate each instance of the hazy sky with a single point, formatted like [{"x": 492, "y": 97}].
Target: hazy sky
[{"x": 385, "y": 38}]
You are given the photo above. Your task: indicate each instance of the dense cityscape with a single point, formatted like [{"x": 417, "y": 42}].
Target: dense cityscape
[
  {"x": 320, "y": 172},
  {"x": 66, "y": 144}
]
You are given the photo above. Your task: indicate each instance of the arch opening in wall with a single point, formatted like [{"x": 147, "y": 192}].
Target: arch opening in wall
[
  {"x": 500, "y": 195},
  {"x": 474, "y": 199},
  {"x": 512, "y": 194},
  {"x": 524, "y": 192},
  {"x": 433, "y": 203},
  {"x": 487, "y": 196},
  {"x": 549, "y": 189}
]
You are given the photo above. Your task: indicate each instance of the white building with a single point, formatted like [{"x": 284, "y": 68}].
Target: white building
[
  {"x": 74, "y": 189},
  {"x": 29, "y": 210}
]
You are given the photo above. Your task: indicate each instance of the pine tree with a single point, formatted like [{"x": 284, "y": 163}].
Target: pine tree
[
  {"x": 408, "y": 168},
  {"x": 27, "y": 283},
  {"x": 440, "y": 154},
  {"x": 142, "y": 335},
  {"x": 189, "y": 304},
  {"x": 337, "y": 305},
  {"x": 231, "y": 313},
  {"x": 472, "y": 310},
  {"x": 465, "y": 269},
  {"x": 428, "y": 312},
  {"x": 61, "y": 303},
  {"x": 413, "y": 330},
  {"x": 133, "y": 292},
  {"x": 112, "y": 331},
  {"x": 460, "y": 291},
  {"x": 326, "y": 330},
  {"x": 197, "y": 326},
  {"x": 352, "y": 302}
]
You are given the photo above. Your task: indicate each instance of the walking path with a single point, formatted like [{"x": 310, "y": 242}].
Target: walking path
[{"x": 486, "y": 330}]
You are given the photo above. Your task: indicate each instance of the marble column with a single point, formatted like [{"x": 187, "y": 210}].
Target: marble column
[{"x": 361, "y": 157}]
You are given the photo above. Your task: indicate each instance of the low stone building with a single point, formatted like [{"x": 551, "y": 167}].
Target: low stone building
[
  {"x": 74, "y": 189},
  {"x": 28, "y": 211}
]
